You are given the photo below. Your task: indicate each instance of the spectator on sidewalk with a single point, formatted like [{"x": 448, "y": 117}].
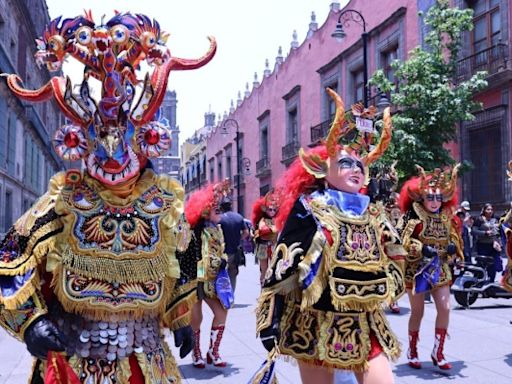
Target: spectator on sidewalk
[
  {"x": 234, "y": 229},
  {"x": 488, "y": 242}
]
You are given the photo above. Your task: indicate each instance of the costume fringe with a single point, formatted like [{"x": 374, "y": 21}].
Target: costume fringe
[
  {"x": 395, "y": 351},
  {"x": 22, "y": 294},
  {"x": 264, "y": 319},
  {"x": 102, "y": 311},
  {"x": 32, "y": 256},
  {"x": 122, "y": 271},
  {"x": 179, "y": 314},
  {"x": 313, "y": 292},
  {"x": 356, "y": 305}
]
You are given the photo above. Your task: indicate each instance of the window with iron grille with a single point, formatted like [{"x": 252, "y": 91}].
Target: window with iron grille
[
  {"x": 358, "y": 85},
  {"x": 487, "y": 176},
  {"x": 264, "y": 142}
]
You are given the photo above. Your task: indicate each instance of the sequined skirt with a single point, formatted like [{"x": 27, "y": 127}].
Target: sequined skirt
[{"x": 412, "y": 268}]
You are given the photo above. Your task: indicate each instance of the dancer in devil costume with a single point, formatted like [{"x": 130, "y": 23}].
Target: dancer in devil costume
[
  {"x": 432, "y": 239},
  {"x": 337, "y": 260},
  {"x": 264, "y": 212},
  {"x": 203, "y": 214},
  {"x": 381, "y": 188},
  {"x": 92, "y": 269},
  {"x": 506, "y": 222}
]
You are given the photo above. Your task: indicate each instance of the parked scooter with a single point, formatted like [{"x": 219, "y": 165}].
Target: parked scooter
[{"x": 472, "y": 281}]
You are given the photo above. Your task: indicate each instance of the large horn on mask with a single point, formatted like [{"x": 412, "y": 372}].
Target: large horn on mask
[
  {"x": 36, "y": 95},
  {"x": 336, "y": 130},
  {"x": 179, "y": 64},
  {"x": 385, "y": 139},
  {"x": 416, "y": 195},
  {"x": 452, "y": 184}
]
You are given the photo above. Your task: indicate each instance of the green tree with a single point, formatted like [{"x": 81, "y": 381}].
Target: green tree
[{"x": 429, "y": 100}]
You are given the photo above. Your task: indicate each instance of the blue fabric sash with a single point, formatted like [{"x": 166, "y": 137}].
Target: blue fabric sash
[{"x": 428, "y": 276}]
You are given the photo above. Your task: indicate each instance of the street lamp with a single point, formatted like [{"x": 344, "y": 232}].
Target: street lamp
[
  {"x": 355, "y": 16},
  {"x": 224, "y": 131}
]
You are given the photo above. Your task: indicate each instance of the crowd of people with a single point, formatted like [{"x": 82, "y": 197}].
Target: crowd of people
[{"x": 112, "y": 254}]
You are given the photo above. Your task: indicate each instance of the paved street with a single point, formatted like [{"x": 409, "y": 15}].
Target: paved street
[{"x": 480, "y": 347}]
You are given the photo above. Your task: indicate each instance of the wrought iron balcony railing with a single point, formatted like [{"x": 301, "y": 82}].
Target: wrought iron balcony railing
[
  {"x": 289, "y": 151},
  {"x": 263, "y": 166},
  {"x": 490, "y": 60}
]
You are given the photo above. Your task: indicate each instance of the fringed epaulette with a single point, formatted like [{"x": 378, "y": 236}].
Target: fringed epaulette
[
  {"x": 178, "y": 311},
  {"x": 27, "y": 243}
]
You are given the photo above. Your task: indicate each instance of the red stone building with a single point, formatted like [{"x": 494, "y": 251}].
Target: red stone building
[{"x": 290, "y": 107}]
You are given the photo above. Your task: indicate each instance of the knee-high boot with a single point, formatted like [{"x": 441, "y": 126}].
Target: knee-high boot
[
  {"x": 212, "y": 357},
  {"x": 197, "y": 359},
  {"x": 412, "y": 352},
  {"x": 437, "y": 353}
]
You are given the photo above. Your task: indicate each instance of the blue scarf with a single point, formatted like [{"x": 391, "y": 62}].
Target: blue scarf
[{"x": 352, "y": 204}]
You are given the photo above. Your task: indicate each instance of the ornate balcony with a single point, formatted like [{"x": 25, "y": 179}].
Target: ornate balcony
[
  {"x": 263, "y": 167},
  {"x": 493, "y": 60},
  {"x": 289, "y": 152},
  {"x": 319, "y": 132}
]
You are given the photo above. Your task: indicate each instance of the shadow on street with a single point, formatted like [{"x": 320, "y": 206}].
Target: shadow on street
[
  {"x": 209, "y": 372},
  {"x": 430, "y": 372}
]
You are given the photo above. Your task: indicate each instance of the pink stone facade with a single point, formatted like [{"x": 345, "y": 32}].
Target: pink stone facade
[{"x": 286, "y": 110}]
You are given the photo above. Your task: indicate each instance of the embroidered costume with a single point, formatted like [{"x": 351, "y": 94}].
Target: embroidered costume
[
  {"x": 207, "y": 247},
  {"x": 507, "y": 230},
  {"x": 424, "y": 228},
  {"x": 265, "y": 235},
  {"x": 98, "y": 261},
  {"x": 336, "y": 261},
  {"x": 431, "y": 236}
]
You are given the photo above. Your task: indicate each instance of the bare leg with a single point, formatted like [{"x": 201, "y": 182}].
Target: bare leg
[
  {"x": 219, "y": 312},
  {"x": 379, "y": 372},
  {"x": 197, "y": 316},
  {"x": 442, "y": 300},
  {"x": 263, "y": 269},
  {"x": 218, "y": 326},
  {"x": 417, "y": 308},
  {"x": 312, "y": 374}
]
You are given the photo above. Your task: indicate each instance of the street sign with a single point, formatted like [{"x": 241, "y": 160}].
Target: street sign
[{"x": 364, "y": 125}]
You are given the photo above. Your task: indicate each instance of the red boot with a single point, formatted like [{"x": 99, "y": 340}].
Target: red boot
[
  {"x": 197, "y": 359},
  {"x": 212, "y": 357},
  {"x": 412, "y": 352},
  {"x": 437, "y": 352}
]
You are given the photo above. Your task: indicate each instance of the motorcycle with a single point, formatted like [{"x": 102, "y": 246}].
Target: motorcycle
[{"x": 472, "y": 281}]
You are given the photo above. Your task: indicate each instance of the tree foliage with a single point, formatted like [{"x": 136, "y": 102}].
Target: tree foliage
[{"x": 429, "y": 100}]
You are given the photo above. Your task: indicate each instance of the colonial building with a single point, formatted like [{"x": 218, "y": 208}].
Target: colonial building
[
  {"x": 290, "y": 108},
  {"x": 27, "y": 159},
  {"x": 193, "y": 156},
  {"x": 170, "y": 162},
  {"x": 486, "y": 141}
]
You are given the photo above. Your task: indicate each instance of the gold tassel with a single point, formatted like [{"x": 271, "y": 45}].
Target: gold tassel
[{"x": 122, "y": 271}]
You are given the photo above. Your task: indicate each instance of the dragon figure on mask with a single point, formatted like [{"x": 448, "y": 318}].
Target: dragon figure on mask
[{"x": 97, "y": 266}]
